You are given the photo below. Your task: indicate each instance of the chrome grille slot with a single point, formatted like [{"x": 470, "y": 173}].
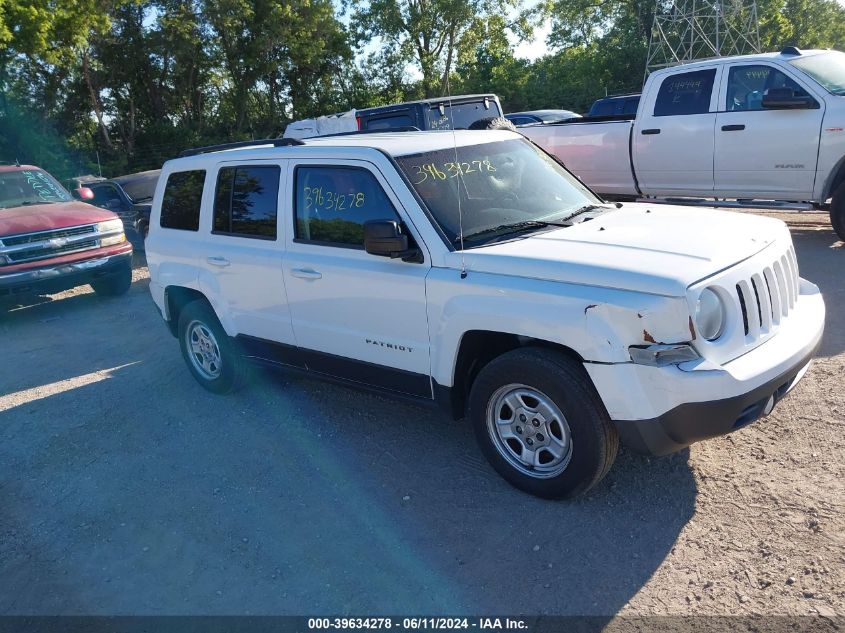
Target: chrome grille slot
[
  {"x": 47, "y": 235},
  {"x": 743, "y": 308},
  {"x": 774, "y": 295},
  {"x": 28, "y": 247},
  {"x": 764, "y": 307},
  {"x": 751, "y": 311},
  {"x": 43, "y": 253}
]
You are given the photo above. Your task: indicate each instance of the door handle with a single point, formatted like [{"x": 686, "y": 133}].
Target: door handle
[
  {"x": 654, "y": 130},
  {"x": 306, "y": 273},
  {"x": 218, "y": 261},
  {"x": 732, "y": 128}
]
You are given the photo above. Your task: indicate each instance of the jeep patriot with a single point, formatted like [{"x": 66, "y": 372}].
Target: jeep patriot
[{"x": 471, "y": 270}]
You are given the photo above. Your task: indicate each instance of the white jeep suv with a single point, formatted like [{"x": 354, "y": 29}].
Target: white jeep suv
[{"x": 470, "y": 269}]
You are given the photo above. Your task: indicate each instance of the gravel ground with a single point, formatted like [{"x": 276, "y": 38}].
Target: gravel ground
[{"x": 125, "y": 488}]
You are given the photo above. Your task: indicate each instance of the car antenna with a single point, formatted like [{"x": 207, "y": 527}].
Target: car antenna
[{"x": 460, "y": 176}]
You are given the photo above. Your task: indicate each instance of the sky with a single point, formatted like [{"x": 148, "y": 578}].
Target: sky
[{"x": 537, "y": 47}]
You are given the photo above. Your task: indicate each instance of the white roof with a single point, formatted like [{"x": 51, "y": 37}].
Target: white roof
[
  {"x": 392, "y": 143},
  {"x": 741, "y": 58},
  {"x": 404, "y": 143}
]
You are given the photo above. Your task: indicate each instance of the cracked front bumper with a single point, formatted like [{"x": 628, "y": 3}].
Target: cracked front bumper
[{"x": 659, "y": 410}]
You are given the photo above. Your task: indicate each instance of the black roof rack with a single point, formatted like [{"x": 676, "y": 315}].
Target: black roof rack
[
  {"x": 387, "y": 130},
  {"x": 275, "y": 142},
  {"x": 791, "y": 50}
]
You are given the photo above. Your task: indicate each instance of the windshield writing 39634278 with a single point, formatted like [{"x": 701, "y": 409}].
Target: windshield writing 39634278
[{"x": 451, "y": 170}]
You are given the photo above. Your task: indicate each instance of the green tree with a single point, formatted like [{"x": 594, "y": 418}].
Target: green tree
[{"x": 429, "y": 33}]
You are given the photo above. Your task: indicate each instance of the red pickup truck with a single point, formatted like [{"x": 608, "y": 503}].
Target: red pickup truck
[{"x": 50, "y": 242}]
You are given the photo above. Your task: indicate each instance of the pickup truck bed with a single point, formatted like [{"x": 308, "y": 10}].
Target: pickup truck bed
[{"x": 598, "y": 152}]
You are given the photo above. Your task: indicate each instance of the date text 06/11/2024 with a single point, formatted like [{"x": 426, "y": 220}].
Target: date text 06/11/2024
[{"x": 418, "y": 623}]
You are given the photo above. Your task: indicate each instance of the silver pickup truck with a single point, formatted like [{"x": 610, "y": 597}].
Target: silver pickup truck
[{"x": 765, "y": 127}]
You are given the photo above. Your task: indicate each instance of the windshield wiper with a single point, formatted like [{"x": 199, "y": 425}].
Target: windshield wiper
[
  {"x": 585, "y": 209},
  {"x": 508, "y": 229}
]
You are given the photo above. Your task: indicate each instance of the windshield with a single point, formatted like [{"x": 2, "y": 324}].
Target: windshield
[
  {"x": 29, "y": 186},
  {"x": 502, "y": 189},
  {"x": 141, "y": 188},
  {"x": 828, "y": 69}
]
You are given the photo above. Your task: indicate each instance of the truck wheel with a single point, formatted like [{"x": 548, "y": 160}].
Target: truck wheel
[
  {"x": 837, "y": 211},
  {"x": 493, "y": 123},
  {"x": 114, "y": 285},
  {"x": 541, "y": 424},
  {"x": 211, "y": 355}
]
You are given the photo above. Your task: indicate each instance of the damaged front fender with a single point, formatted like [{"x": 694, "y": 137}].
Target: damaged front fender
[{"x": 653, "y": 321}]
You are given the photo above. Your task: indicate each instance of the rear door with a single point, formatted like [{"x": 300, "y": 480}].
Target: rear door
[
  {"x": 673, "y": 134},
  {"x": 243, "y": 249},
  {"x": 763, "y": 153}
]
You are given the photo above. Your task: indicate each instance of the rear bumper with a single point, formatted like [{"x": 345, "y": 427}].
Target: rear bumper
[
  {"x": 60, "y": 277},
  {"x": 659, "y": 410}
]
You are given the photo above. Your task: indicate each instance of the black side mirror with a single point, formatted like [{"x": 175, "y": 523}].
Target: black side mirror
[
  {"x": 786, "y": 99},
  {"x": 386, "y": 239}
]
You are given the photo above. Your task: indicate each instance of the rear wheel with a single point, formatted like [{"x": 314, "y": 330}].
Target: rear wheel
[
  {"x": 541, "y": 424},
  {"x": 114, "y": 285},
  {"x": 211, "y": 355},
  {"x": 837, "y": 211}
]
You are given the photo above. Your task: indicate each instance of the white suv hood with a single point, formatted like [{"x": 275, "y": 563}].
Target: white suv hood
[{"x": 658, "y": 249}]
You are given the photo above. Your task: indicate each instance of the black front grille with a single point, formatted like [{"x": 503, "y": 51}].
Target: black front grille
[
  {"x": 43, "y": 253},
  {"x": 47, "y": 235}
]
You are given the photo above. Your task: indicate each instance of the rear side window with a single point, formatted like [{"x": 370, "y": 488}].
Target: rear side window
[
  {"x": 180, "y": 205},
  {"x": 246, "y": 201},
  {"x": 332, "y": 204},
  {"x": 603, "y": 108},
  {"x": 460, "y": 115},
  {"x": 389, "y": 122},
  {"x": 686, "y": 93}
]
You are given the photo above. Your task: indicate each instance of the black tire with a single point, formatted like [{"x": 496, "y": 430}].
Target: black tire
[
  {"x": 233, "y": 367},
  {"x": 837, "y": 211},
  {"x": 493, "y": 123},
  {"x": 114, "y": 285},
  {"x": 593, "y": 438}
]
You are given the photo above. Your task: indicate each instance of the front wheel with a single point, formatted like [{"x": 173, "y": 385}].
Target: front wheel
[
  {"x": 211, "y": 356},
  {"x": 837, "y": 211},
  {"x": 541, "y": 424}
]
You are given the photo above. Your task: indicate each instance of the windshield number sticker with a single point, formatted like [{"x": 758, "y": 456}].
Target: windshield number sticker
[
  {"x": 452, "y": 170},
  {"x": 45, "y": 190},
  {"x": 332, "y": 200}
]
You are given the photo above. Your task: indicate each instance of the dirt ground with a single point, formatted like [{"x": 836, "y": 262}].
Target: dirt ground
[{"x": 125, "y": 488}]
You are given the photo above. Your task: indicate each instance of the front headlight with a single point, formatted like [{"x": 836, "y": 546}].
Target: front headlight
[
  {"x": 112, "y": 231},
  {"x": 710, "y": 314},
  {"x": 110, "y": 226}
]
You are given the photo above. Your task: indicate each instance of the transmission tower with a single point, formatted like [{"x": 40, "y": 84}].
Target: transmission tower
[{"x": 687, "y": 30}]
